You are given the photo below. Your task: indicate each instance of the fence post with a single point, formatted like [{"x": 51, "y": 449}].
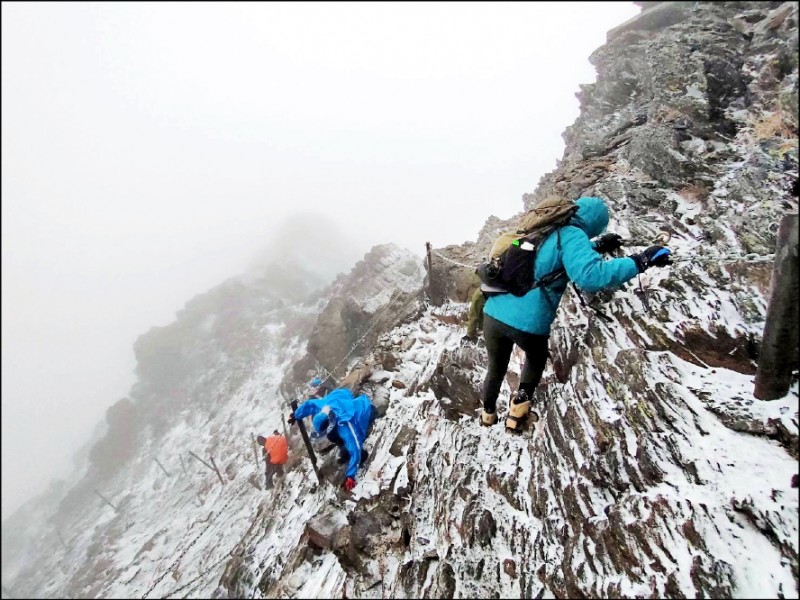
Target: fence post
[
  {"x": 221, "y": 480},
  {"x": 255, "y": 451},
  {"x": 213, "y": 468},
  {"x": 778, "y": 354},
  {"x": 430, "y": 269},
  {"x": 158, "y": 462},
  {"x": 106, "y": 500}
]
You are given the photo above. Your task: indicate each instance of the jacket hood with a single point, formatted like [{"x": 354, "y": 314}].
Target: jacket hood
[
  {"x": 592, "y": 216},
  {"x": 321, "y": 421}
]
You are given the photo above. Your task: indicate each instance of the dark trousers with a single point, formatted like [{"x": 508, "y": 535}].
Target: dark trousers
[
  {"x": 272, "y": 470},
  {"x": 335, "y": 438},
  {"x": 500, "y": 339}
]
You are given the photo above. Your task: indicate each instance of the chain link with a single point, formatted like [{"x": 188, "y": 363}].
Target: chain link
[
  {"x": 450, "y": 260},
  {"x": 361, "y": 339},
  {"x": 751, "y": 258}
]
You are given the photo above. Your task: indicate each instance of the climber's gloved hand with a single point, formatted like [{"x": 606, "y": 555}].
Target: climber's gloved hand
[
  {"x": 608, "y": 242},
  {"x": 291, "y": 420},
  {"x": 349, "y": 484},
  {"x": 654, "y": 256}
]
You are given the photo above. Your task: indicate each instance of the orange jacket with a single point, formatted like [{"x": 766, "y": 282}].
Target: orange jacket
[{"x": 278, "y": 449}]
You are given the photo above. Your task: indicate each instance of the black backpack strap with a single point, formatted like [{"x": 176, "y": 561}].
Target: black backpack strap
[{"x": 553, "y": 276}]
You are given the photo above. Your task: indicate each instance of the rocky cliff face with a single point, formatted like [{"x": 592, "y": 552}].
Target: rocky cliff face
[
  {"x": 381, "y": 291},
  {"x": 653, "y": 471},
  {"x": 633, "y": 487}
]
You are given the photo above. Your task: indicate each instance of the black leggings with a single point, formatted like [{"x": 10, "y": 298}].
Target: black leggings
[{"x": 500, "y": 339}]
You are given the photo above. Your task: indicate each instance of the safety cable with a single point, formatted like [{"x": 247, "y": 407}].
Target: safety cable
[
  {"x": 355, "y": 345},
  {"x": 450, "y": 260}
]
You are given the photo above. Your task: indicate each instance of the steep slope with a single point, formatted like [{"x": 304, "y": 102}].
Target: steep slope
[
  {"x": 654, "y": 472},
  {"x": 207, "y": 384}
]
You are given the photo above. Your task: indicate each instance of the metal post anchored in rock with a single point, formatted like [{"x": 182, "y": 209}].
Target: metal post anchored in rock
[{"x": 778, "y": 355}]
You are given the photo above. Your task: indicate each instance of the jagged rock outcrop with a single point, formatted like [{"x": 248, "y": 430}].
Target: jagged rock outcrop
[
  {"x": 690, "y": 129},
  {"x": 381, "y": 290}
]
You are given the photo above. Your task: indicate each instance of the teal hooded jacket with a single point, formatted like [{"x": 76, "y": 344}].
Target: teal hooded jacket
[{"x": 570, "y": 248}]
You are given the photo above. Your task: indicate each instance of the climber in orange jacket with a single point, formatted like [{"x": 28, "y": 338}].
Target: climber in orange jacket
[{"x": 276, "y": 452}]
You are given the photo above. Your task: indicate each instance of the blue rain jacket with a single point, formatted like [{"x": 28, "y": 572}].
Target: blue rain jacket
[
  {"x": 535, "y": 311},
  {"x": 353, "y": 418}
]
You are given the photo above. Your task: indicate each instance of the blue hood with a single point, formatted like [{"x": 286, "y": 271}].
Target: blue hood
[
  {"x": 569, "y": 248},
  {"x": 320, "y": 421},
  {"x": 592, "y": 216}
]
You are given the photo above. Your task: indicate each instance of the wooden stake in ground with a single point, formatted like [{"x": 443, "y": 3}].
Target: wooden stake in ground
[
  {"x": 778, "y": 356},
  {"x": 217, "y": 470},
  {"x": 158, "y": 462},
  {"x": 106, "y": 500},
  {"x": 255, "y": 451},
  {"x": 213, "y": 468}
]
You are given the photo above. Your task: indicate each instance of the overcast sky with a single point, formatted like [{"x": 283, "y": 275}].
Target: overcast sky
[{"x": 149, "y": 150}]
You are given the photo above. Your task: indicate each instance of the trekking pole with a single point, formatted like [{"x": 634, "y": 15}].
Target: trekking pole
[{"x": 306, "y": 441}]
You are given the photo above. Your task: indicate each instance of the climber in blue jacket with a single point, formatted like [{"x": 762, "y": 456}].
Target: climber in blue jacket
[
  {"x": 525, "y": 320},
  {"x": 345, "y": 420}
]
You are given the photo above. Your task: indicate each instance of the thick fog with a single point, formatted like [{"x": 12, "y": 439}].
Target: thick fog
[{"x": 152, "y": 150}]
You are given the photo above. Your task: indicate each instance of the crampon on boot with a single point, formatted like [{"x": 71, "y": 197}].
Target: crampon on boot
[
  {"x": 518, "y": 411},
  {"x": 487, "y": 418}
]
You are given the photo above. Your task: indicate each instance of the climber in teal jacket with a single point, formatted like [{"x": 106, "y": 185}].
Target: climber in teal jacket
[
  {"x": 345, "y": 420},
  {"x": 525, "y": 320}
]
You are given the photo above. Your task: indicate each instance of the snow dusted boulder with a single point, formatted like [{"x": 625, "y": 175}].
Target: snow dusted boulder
[
  {"x": 456, "y": 384},
  {"x": 381, "y": 290},
  {"x": 326, "y": 530}
]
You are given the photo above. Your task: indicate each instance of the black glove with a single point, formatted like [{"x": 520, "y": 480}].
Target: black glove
[
  {"x": 291, "y": 420},
  {"x": 654, "y": 256},
  {"x": 608, "y": 243}
]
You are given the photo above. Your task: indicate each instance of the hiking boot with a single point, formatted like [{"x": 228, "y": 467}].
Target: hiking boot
[
  {"x": 518, "y": 411},
  {"x": 488, "y": 418},
  {"x": 472, "y": 340}
]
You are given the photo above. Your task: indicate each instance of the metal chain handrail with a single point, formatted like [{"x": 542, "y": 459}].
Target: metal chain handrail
[
  {"x": 751, "y": 257},
  {"x": 369, "y": 329},
  {"x": 450, "y": 260}
]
